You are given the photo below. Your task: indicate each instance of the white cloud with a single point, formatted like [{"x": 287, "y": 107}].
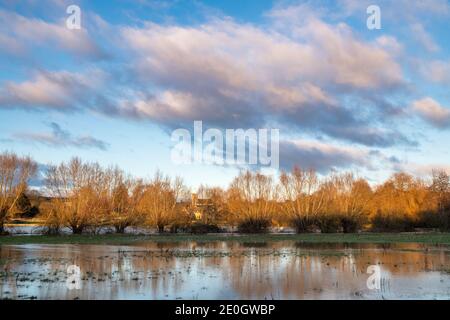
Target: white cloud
[
  {"x": 437, "y": 71},
  {"x": 321, "y": 156},
  {"x": 55, "y": 90},
  {"x": 432, "y": 112},
  {"x": 33, "y": 31},
  {"x": 226, "y": 72},
  {"x": 62, "y": 138}
]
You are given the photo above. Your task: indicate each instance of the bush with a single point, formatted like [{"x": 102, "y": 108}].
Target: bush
[
  {"x": 202, "y": 228},
  {"x": 254, "y": 225},
  {"x": 329, "y": 223},
  {"x": 303, "y": 224},
  {"x": 390, "y": 223},
  {"x": 350, "y": 225},
  {"x": 430, "y": 219}
]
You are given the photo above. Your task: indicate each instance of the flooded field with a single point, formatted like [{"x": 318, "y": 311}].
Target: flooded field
[{"x": 223, "y": 270}]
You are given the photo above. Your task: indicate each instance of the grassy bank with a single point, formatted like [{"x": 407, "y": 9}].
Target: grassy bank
[{"x": 116, "y": 239}]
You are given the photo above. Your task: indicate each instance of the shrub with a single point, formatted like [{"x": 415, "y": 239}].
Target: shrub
[
  {"x": 52, "y": 222},
  {"x": 303, "y": 224},
  {"x": 202, "y": 228},
  {"x": 350, "y": 225},
  {"x": 430, "y": 219},
  {"x": 254, "y": 225},
  {"x": 329, "y": 223},
  {"x": 391, "y": 223}
]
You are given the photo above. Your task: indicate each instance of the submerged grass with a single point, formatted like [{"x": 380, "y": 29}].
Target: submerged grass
[{"x": 120, "y": 239}]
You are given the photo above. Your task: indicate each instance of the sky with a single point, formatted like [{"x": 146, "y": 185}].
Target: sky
[{"x": 343, "y": 97}]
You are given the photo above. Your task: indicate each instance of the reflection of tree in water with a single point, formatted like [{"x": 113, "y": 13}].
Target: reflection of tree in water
[
  {"x": 312, "y": 275},
  {"x": 274, "y": 270}
]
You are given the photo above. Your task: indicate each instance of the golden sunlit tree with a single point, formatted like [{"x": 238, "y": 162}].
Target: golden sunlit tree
[
  {"x": 301, "y": 198},
  {"x": 123, "y": 196},
  {"x": 397, "y": 203},
  {"x": 15, "y": 173},
  {"x": 79, "y": 193},
  {"x": 347, "y": 202},
  {"x": 159, "y": 201},
  {"x": 252, "y": 202}
]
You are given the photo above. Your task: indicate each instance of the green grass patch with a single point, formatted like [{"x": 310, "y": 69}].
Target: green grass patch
[{"x": 117, "y": 239}]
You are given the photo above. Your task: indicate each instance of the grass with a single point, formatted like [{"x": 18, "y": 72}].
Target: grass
[{"x": 118, "y": 239}]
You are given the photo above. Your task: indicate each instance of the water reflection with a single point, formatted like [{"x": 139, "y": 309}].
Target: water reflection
[{"x": 225, "y": 270}]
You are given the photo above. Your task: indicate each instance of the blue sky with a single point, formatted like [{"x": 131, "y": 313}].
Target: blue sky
[{"x": 343, "y": 97}]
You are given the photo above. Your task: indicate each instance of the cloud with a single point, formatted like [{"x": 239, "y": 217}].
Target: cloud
[
  {"x": 62, "y": 138},
  {"x": 63, "y": 91},
  {"x": 421, "y": 170},
  {"x": 320, "y": 156},
  {"x": 33, "y": 31},
  {"x": 437, "y": 71},
  {"x": 11, "y": 46},
  {"x": 38, "y": 181},
  {"x": 432, "y": 112},
  {"x": 424, "y": 38},
  {"x": 230, "y": 74},
  {"x": 399, "y": 10}
]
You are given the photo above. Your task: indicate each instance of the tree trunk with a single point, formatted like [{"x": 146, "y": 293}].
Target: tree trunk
[
  {"x": 160, "y": 228},
  {"x": 120, "y": 229},
  {"x": 3, "y": 214}
]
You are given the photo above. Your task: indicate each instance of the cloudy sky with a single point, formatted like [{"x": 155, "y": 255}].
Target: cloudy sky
[{"x": 343, "y": 97}]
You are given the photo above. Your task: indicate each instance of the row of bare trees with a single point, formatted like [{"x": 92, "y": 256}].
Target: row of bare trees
[
  {"x": 87, "y": 197},
  {"x": 337, "y": 203}
]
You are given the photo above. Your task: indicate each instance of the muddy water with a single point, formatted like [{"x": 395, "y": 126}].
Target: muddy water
[{"x": 224, "y": 270}]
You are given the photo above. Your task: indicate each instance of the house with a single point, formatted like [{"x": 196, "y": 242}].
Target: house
[{"x": 200, "y": 206}]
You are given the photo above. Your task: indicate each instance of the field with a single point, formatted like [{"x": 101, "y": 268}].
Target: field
[{"x": 116, "y": 239}]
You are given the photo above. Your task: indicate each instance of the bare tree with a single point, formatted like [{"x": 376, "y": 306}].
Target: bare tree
[
  {"x": 79, "y": 194},
  {"x": 440, "y": 187},
  {"x": 124, "y": 194},
  {"x": 159, "y": 200},
  {"x": 15, "y": 173},
  {"x": 349, "y": 199},
  {"x": 301, "y": 196},
  {"x": 252, "y": 201}
]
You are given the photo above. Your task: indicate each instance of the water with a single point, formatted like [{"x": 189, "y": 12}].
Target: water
[{"x": 224, "y": 270}]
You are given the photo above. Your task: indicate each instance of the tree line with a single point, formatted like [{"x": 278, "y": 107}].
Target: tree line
[{"x": 86, "y": 197}]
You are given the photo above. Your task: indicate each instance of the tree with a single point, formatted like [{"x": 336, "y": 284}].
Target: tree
[
  {"x": 79, "y": 194},
  {"x": 349, "y": 198},
  {"x": 440, "y": 187},
  {"x": 252, "y": 201},
  {"x": 124, "y": 195},
  {"x": 301, "y": 197},
  {"x": 159, "y": 200},
  {"x": 15, "y": 172},
  {"x": 397, "y": 202},
  {"x": 24, "y": 208}
]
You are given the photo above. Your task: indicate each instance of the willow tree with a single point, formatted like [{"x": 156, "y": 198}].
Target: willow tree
[
  {"x": 302, "y": 199},
  {"x": 252, "y": 201},
  {"x": 79, "y": 194},
  {"x": 159, "y": 201},
  {"x": 124, "y": 194},
  {"x": 15, "y": 173},
  {"x": 348, "y": 199}
]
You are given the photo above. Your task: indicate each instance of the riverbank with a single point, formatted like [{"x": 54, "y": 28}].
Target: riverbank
[{"x": 126, "y": 239}]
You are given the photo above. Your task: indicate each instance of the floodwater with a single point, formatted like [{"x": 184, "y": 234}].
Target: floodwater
[{"x": 225, "y": 270}]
